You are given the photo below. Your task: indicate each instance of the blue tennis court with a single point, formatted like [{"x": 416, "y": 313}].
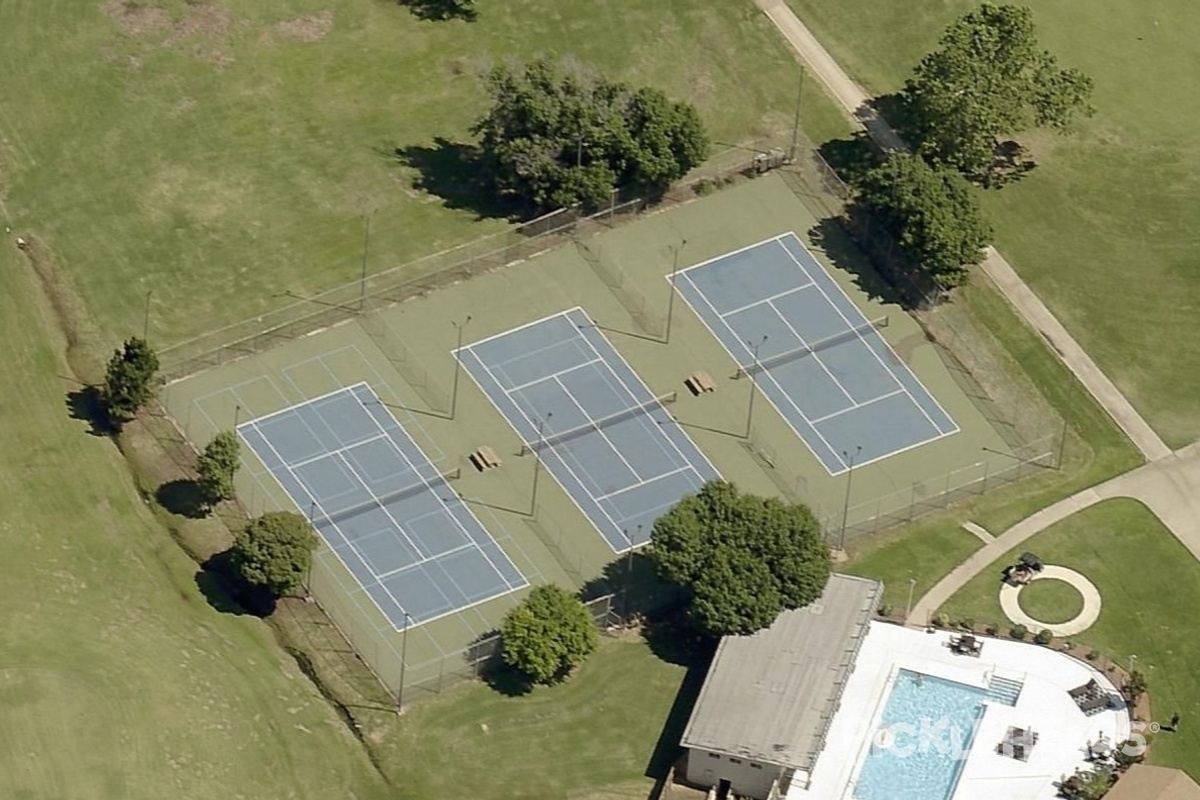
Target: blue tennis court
[
  {"x": 382, "y": 506},
  {"x": 607, "y": 440},
  {"x": 820, "y": 362}
]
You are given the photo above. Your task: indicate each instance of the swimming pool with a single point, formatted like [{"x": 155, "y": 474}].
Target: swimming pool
[{"x": 921, "y": 743}]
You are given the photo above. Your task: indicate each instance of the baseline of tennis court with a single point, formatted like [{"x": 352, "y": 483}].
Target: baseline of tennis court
[
  {"x": 382, "y": 506},
  {"x": 813, "y": 354},
  {"x": 596, "y": 426}
]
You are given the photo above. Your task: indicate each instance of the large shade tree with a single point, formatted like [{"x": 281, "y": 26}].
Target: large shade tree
[
  {"x": 742, "y": 559},
  {"x": 559, "y": 136},
  {"x": 274, "y": 552},
  {"x": 930, "y": 212},
  {"x": 989, "y": 78},
  {"x": 547, "y": 634},
  {"x": 217, "y": 466}
]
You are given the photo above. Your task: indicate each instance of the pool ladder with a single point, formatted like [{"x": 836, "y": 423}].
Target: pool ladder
[{"x": 1004, "y": 690}]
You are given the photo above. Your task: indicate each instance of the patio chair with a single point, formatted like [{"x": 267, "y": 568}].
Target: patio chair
[{"x": 1089, "y": 689}]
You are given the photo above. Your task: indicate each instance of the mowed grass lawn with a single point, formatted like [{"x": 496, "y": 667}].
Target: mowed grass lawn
[
  {"x": 117, "y": 679},
  {"x": 1104, "y": 229},
  {"x": 221, "y": 155},
  {"x": 596, "y": 736},
  {"x": 1150, "y": 587}
]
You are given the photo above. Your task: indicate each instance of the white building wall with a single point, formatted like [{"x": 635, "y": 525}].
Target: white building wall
[{"x": 746, "y": 778}]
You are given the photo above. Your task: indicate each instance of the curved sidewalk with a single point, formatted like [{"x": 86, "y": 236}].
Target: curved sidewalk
[
  {"x": 856, "y": 103},
  {"x": 1169, "y": 487}
]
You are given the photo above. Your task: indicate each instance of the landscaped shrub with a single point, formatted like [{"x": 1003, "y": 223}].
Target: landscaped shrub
[
  {"x": 885, "y": 610},
  {"x": 1043, "y": 636},
  {"x": 941, "y": 620},
  {"x": 1018, "y": 632},
  {"x": 992, "y": 629},
  {"x": 967, "y": 624},
  {"x": 1092, "y": 655}
]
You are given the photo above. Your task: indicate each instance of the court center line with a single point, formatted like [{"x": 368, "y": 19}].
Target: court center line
[
  {"x": 860, "y": 335},
  {"x": 306, "y": 461},
  {"x": 856, "y": 406},
  {"x": 620, "y": 359},
  {"x": 646, "y": 482},
  {"x": 771, "y": 299},
  {"x": 742, "y": 363},
  {"x": 597, "y": 429},
  {"x": 554, "y": 376},
  {"x": 813, "y": 353},
  {"x": 440, "y": 499},
  {"x": 533, "y": 449}
]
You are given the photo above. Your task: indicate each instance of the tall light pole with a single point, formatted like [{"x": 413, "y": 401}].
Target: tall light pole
[
  {"x": 403, "y": 663},
  {"x": 912, "y": 584},
  {"x": 146, "y": 316},
  {"x": 1132, "y": 662},
  {"x": 753, "y": 383},
  {"x": 457, "y": 365},
  {"x": 537, "y": 460},
  {"x": 237, "y": 412},
  {"x": 671, "y": 298},
  {"x": 796, "y": 118},
  {"x": 362, "y": 281},
  {"x": 846, "y": 503}
]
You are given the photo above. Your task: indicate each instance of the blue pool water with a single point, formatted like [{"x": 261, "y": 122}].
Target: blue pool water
[{"x": 922, "y": 740}]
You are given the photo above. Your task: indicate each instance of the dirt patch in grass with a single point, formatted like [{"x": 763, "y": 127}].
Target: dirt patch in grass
[
  {"x": 201, "y": 19},
  {"x": 136, "y": 19},
  {"x": 311, "y": 28}
]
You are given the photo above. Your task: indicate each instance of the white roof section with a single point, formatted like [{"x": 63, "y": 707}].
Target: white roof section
[
  {"x": 1043, "y": 706},
  {"x": 771, "y": 696}
]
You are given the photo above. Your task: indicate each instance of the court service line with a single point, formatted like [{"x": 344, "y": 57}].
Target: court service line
[
  {"x": 534, "y": 451},
  {"x": 770, "y": 299},
  {"x": 770, "y": 400},
  {"x": 593, "y": 422},
  {"x": 733, "y": 253},
  {"x": 521, "y": 327},
  {"x": 440, "y": 499},
  {"x": 652, "y": 397},
  {"x": 646, "y": 482},
  {"x": 306, "y": 461},
  {"x": 876, "y": 355},
  {"x": 813, "y": 353},
  {"x": 553, "y": 376},
  {"x": 855, "y": 407}
]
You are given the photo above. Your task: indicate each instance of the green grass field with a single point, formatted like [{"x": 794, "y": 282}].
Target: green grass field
[
  {"x": 117, "y": 678},
  {"x": 1147, "y": 580},
  {"x": 1051, "y": 601},
  {"x": 220, "y": 155},
  {"x": 1103, "y": 229},
  {"x": 595, "y": 736}
]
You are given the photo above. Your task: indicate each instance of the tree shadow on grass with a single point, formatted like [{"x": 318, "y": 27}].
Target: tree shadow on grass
[
  {"x": 228, "y": 593},
  {"x": 492, "y": 670},
  {"x": 851, "y": 157},
  {"x": 454, "y": 171},
  {"x": 672, "y": 638},
  {"x": 183, "y": 497},
  {"x": 87, "y": 405},
  {"x": 438, "y": 10}
]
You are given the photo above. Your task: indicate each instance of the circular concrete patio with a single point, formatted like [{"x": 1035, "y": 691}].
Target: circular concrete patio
[{"x": 1010, "y": 602}]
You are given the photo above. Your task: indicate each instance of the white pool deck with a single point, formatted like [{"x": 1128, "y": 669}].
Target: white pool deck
[{"x": 1043, "y": 706}]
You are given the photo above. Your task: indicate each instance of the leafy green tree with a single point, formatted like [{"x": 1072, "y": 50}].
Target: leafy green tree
[
  {"x": 274, "y": 552},
  {"x": 743, "y": 559},
  {"x": 931, "y": 212},
  {"x": 558, "y": 137},
  {"x": 129, "y": 380},
  {"x": 987, "y": 79},
  {"x": 550, "y": 632},
  {"x": 217, "y": 466}
]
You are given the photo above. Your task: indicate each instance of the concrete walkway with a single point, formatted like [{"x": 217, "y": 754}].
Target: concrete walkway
[
  {"x": 1169, "y": 484},
  {"x": 856, "y": 103},
  {"x": 1010, "y": 603}
]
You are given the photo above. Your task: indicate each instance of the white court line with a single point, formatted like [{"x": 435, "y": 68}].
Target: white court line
[
  {"x": 461, "y": 548},
  {"x": 305, "y": 462},
  {"x": 633, "y": 396},
  {"x": 533, "y": 450},
  {"x": 812, "y": 353},
  {"x": 378, "y": 501},
  {"x": 300, "y": 404},
  {"x": 597, "y": 429},
  {"x": 738, "y": 251},
  {"x": 861, "y": 337},
  {"x": 855, "y": 407},
  {"x": 441, "y": 500},
  {"x": 770, "y": 299},
  {"x": 504, "y": 333},
  {"x": 648, "y": 481},
  {"x": 552, "y": 376},
  {"x": 738, "y": 362}
]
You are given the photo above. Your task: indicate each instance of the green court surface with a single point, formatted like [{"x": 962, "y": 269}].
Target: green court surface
[{"x": 405, "y": 354}]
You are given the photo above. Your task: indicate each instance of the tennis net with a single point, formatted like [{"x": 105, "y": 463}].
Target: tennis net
[
  {"x": 600, "y": 424},
  {"x": 429, "y": 485},
  {"x": 813, "y": 348}
]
